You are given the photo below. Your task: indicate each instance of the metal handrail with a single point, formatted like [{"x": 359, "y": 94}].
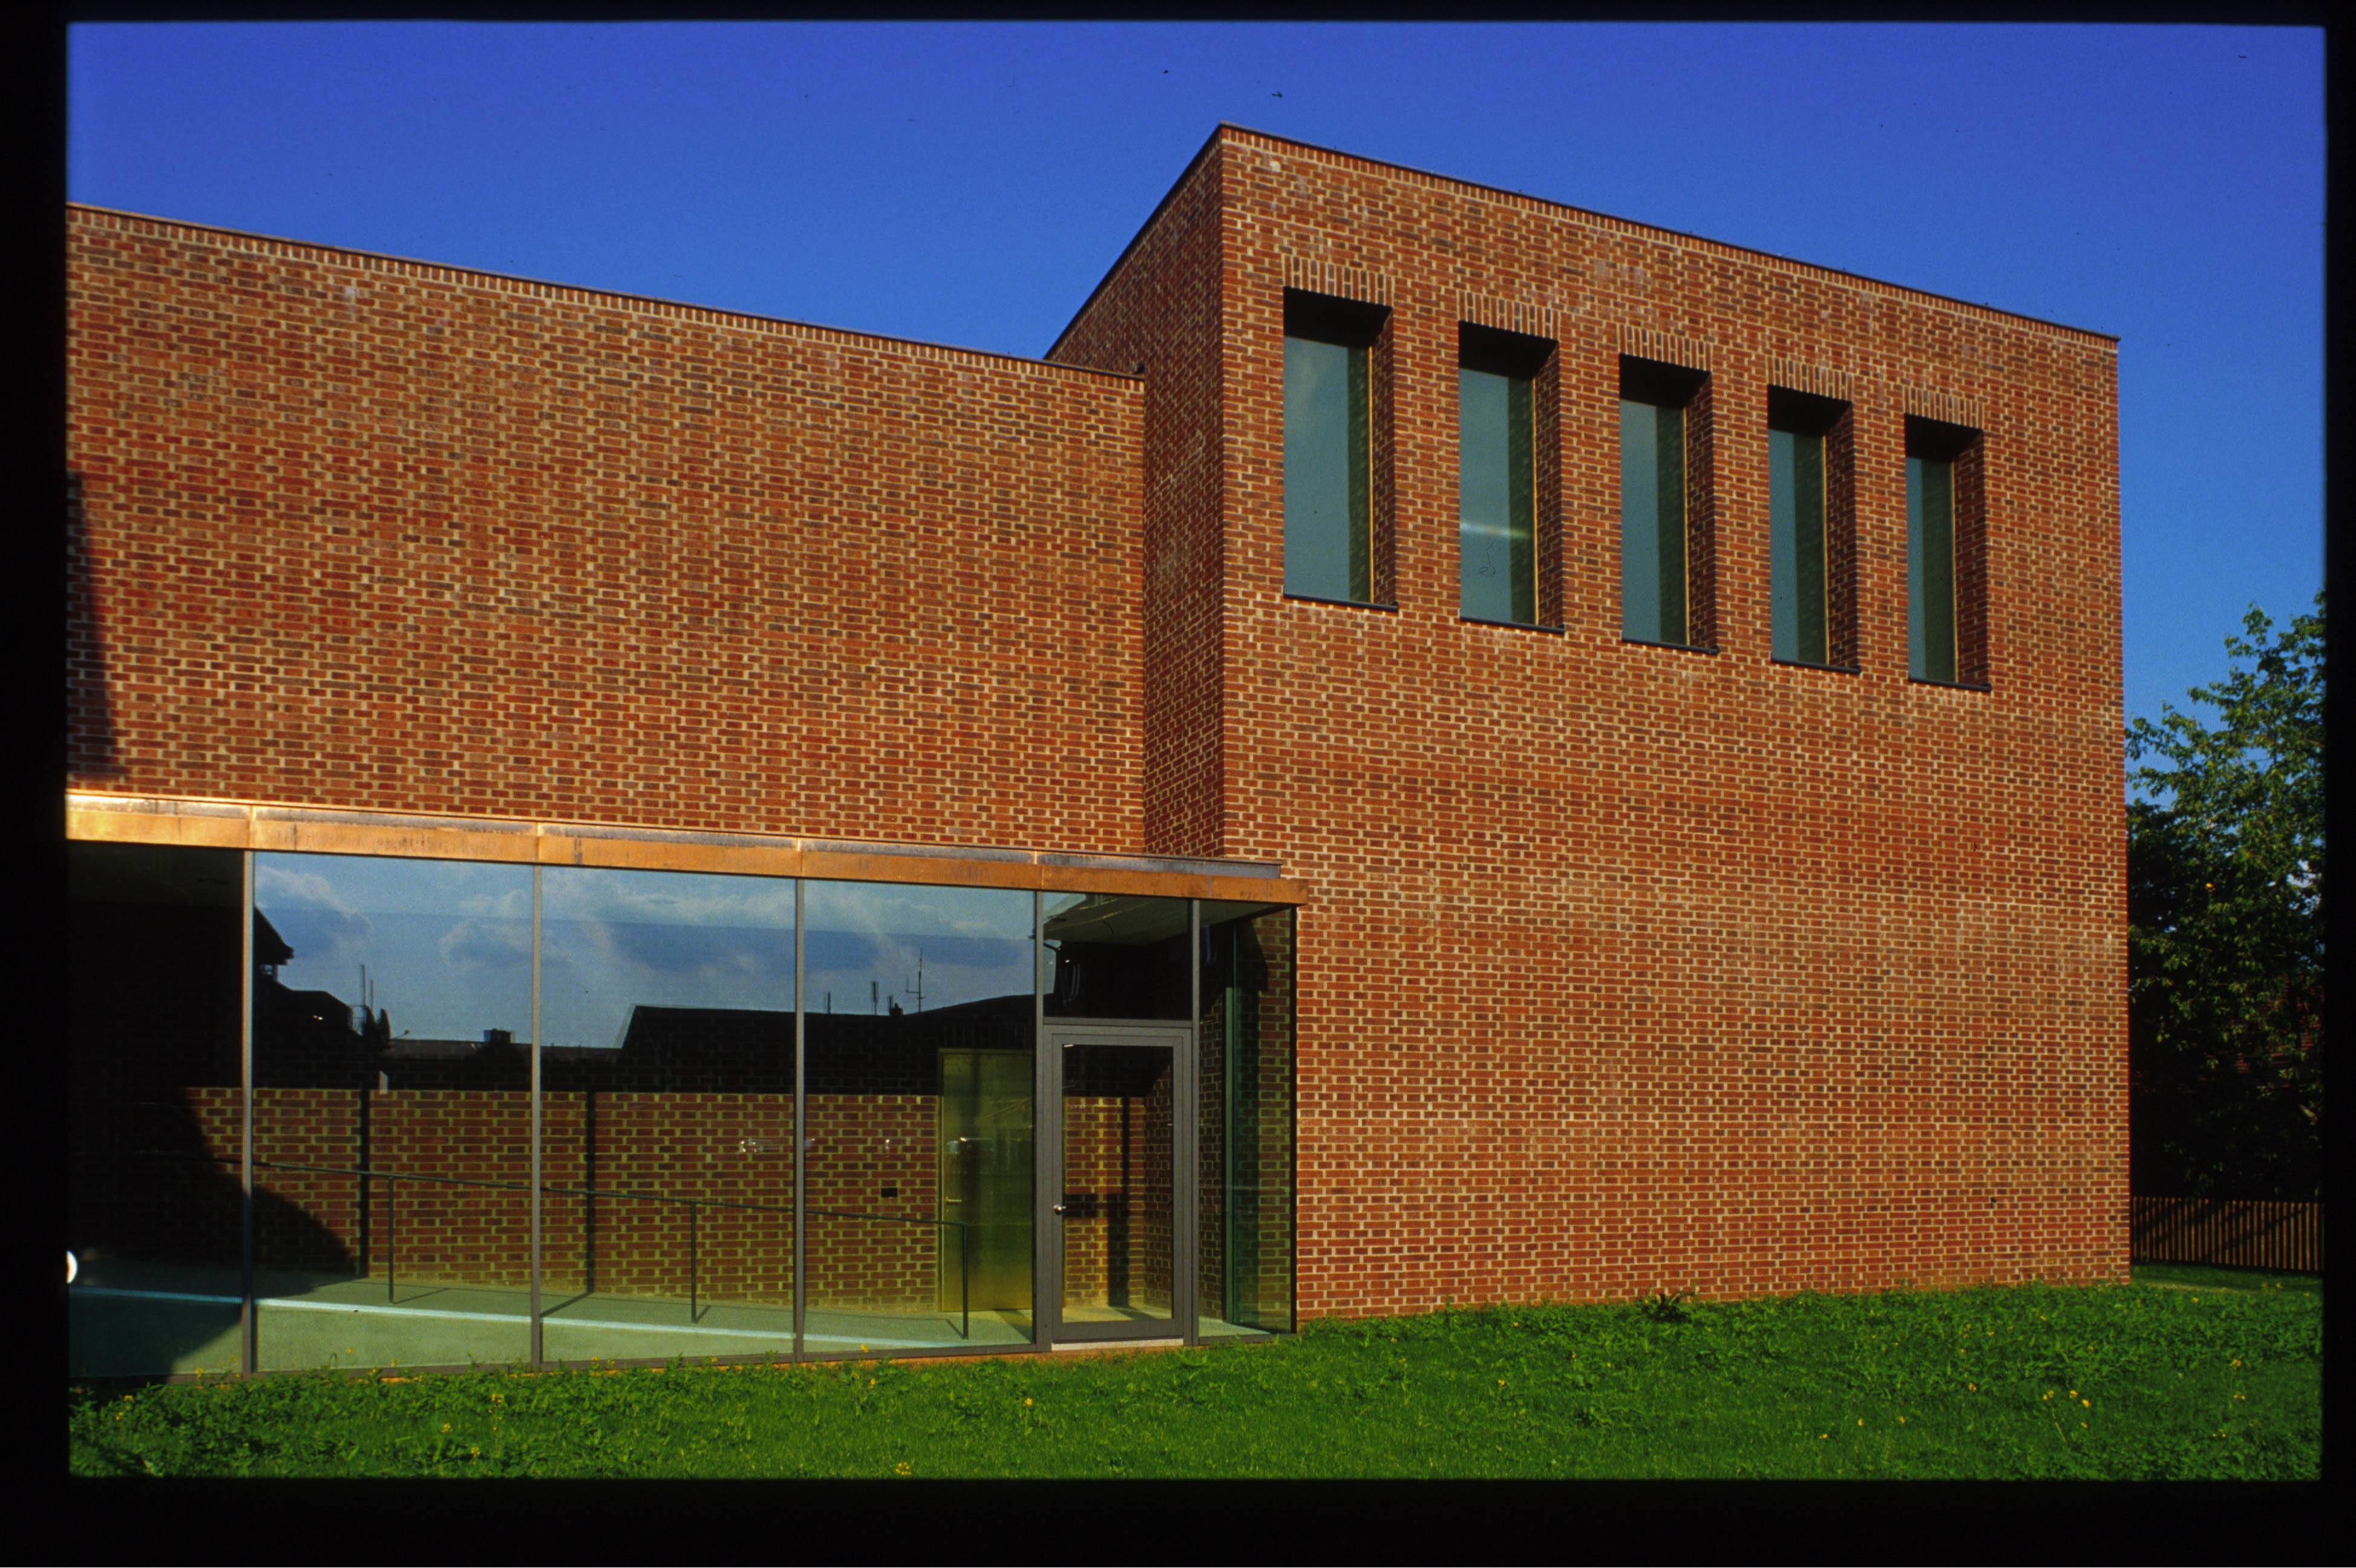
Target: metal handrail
[{"x": 963, "y": 1227}]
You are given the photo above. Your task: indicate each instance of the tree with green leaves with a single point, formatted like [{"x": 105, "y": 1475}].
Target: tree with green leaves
[{"x": 2225, "y": 928}]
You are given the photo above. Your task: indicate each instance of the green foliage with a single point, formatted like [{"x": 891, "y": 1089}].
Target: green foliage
[
  {"x": 2129, "y": 1382},
  {"x": 2225, "y": 928}
]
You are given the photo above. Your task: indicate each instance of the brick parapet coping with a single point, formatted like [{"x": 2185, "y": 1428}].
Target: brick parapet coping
[
  {"x": 1261, "y": 141},
  {"x": 560, "y": 293}
]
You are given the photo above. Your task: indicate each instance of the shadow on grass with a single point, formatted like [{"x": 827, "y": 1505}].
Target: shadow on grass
[{"x": 2214, "y": 1276}]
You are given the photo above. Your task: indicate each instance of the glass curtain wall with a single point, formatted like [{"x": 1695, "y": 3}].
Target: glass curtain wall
[
  {"x": 1118, "y": 957},
  {"x": 393, "y": 1008},
  {"x": 1246, "y": 1119},
  {"x": 668, "y": 1115},
  {"x": 391, "y": 1111},
  {"x": 919, "y": 1019},
  {"x": 153, "y": 1202}
]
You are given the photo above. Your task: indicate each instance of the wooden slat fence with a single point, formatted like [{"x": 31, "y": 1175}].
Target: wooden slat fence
[{"x": 2230, "y": 1232}]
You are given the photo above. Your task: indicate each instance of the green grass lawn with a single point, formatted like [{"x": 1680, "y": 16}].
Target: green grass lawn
[{"x": 2173, "y": 1376}]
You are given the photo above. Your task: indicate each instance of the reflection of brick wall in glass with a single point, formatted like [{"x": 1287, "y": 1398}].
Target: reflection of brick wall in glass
[
  {"x": 1117, "y": 1172},
  {"x": 985, "y": 1150}
]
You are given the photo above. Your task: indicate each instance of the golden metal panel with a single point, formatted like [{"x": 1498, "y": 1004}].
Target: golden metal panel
[
  {"x": 245, "y": 824},
  {"x": 208, "y": 832}
]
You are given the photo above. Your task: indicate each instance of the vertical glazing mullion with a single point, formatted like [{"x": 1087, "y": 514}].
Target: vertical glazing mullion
[
  {"x": 1522, "y": 498},
  {"x": 801, "y": 1141},
  {"x": 1186, "y": 1145},
  {"x": 1047, "y": 1148},
  {"x": 248, "y": 1327},
  {"x": 535, "y": 1119},
  {"x": 1231, "y": 1073}
]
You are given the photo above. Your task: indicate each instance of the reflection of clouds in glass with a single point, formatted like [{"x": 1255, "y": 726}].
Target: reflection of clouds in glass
[
  {"x": 487, "y": 943},
  {"x": 616, "y": 940},
  {"x": 868, "y": 942},
  {"x": 709, "y": 952},
  {"x": 513, "y": 904},
  {"x": 910, "y": 913},
  {"x": 304, "y": 908},
  {"x": 660, "y": 898}
]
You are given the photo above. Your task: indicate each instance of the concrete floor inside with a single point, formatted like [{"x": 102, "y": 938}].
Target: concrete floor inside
[{"x": 140, "y": 1319}]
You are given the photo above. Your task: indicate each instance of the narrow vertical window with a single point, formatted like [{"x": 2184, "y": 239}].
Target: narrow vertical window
[
  {"x": 1329, "y": 546},
  {"x": 1497, "y": 501},
  {"x": 1795, "y": 517},
  {"x": 1655, "y": 556},
  {"x": 1930, "y": 569},
  {"x": 1808, "y": 529},
  {"x": 1945, "y": 621}
]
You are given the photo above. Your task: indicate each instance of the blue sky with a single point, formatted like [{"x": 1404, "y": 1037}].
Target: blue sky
[{"x": 970, "y": 183}]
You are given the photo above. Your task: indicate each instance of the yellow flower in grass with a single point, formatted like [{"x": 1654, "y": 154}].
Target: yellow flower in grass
[{"x": 901, "y": 1468}]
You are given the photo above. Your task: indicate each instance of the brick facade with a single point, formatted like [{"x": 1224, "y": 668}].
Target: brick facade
[
  {"x": 1631, "y": 966},
  {"x": 1624, "y": 966},
  {"x": 361, "y": 532}
]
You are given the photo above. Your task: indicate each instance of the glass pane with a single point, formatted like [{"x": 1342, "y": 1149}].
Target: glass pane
[
  {"x": 1115, "y": 956},
  {"x": 1930, "y": 569},
  {"x": 668, "y": 1000},
  {"x": 392, "y": 1111},
  {"x": 1495, "y": 499},
  {"x": 1652, "y": 523},
  {"x": 153, "y": 1207},
  {"x": 1246, "y": 1121},
  {"x": 1795, "y": 492},
  {"x": 1119, "y": 1223},
  {"x": 919, "y": 1024},
  {"x": 1325, "y": 471}
]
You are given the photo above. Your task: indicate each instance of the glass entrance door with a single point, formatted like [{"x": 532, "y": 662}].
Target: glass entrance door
[{"x": 1119, "y": 1232}]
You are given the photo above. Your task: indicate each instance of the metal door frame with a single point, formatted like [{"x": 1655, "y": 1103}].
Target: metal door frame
[{"x": 1185, "y": 1175}]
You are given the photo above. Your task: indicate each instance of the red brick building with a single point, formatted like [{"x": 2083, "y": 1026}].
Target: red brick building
[{"x": 1587, "y": 757}]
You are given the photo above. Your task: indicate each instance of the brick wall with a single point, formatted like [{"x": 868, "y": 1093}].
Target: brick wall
[
  {"x": 1633, "y": 967},
  {"x": 1627, "y": 967},
  {"x": 353, "y": 531},
  {"x": 1159, "y": 310}
]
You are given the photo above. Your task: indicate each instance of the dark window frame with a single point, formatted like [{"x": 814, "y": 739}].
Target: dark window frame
[
  {"x": 1963, "y": 450},
  {"x": 1366, "y": 330},
  {"x": 1833, "y": 423},
  {"x": 1689, "y": 390},
  {"x": 1532, "y": 364}
]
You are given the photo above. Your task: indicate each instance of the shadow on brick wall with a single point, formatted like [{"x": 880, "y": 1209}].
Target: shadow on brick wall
[{"x": 89, "y": 723}]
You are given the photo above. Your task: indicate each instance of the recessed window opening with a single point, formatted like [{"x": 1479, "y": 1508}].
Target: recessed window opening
[
  {"x": 1499, "y": 473},
  {"x": 1330, "y": 511},
  {"x": 1662, "y": 554},
  {"x": 1810, "y": 549},
  {"x": 1943, "y": 623}
]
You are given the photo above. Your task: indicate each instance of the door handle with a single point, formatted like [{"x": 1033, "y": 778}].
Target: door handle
[{"x": 1058, "y": 1208}]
